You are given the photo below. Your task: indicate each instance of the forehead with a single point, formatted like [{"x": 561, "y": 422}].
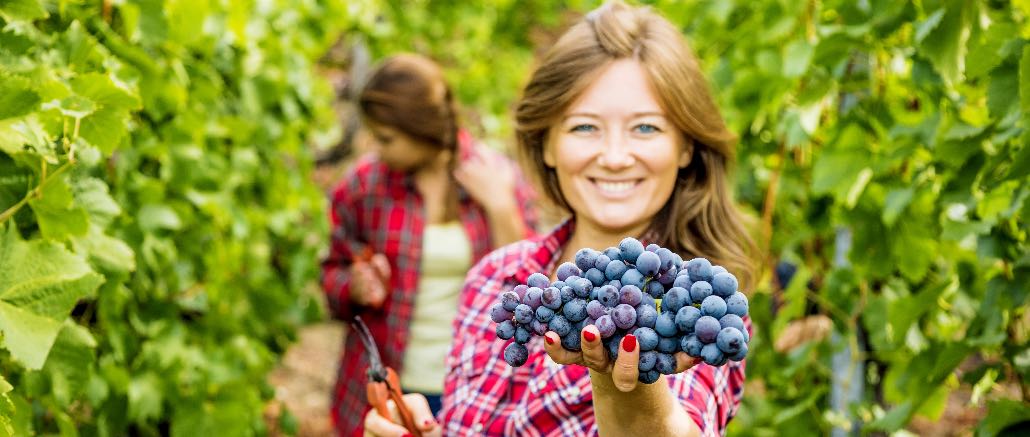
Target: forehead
[{"x": 621, "y": 88}]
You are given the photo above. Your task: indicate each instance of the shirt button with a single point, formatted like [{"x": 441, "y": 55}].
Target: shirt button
[{"x": 477, "y": 428}]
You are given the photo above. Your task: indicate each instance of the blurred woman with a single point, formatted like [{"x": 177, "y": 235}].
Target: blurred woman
[
  {"x": 618, "y": 124},
  {"x": 408, "y": 221}
]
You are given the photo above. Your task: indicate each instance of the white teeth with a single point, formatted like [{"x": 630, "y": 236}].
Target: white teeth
[{"x": 615, "y": 187}]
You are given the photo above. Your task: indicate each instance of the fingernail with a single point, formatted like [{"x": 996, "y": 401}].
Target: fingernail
[
  {"x": 407, "y": 434},
  {"x": 629, "y": 343},
  {"x": 589, "y": 336},
  {"x": 549, "y": 339}
]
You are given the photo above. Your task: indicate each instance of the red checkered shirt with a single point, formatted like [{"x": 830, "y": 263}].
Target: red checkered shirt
[
  {"x": 485, "y": 396},
  {"x": 379, "y": 207}
]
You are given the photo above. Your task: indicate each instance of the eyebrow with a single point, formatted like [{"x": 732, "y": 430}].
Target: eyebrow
[{"x": 633, "y": 115}]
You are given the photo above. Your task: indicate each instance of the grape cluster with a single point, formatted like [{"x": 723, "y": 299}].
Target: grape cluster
[{"x": 669, "y": 305}]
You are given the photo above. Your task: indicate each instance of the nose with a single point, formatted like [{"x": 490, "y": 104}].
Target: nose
[{"x": 616, "y": 154}]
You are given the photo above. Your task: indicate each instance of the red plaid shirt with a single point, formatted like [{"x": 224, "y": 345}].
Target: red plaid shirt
[
  {"x": 485, "y": 396},
  {"x": 379, "y": 207}
]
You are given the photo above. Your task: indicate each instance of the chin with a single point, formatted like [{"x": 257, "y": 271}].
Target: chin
[{"x": 617, "y": 219}]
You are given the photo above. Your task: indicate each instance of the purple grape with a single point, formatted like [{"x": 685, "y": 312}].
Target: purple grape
[
  {"x": 630, "y": 248},
  {"x": 559, "y": 284},
  {"x": 646, "y": 316},
  {"x": 666, "y": 257},
  {"x": 551, "y": 298},
  {"x": 668, "y": 279},
  {"x": 624, "y": 316},
  {"x": 707, "y": 329},
  {"x": 712, "y": 355},
  {"x": 595, "y": 276},
  {"x": 633, "y": 277},
  {"x": 700, "y": 269},
  {"x": 523, "y": 314},
  {"x": 560, "y": 325},
  {"x": 521, "y": 290},
  {"x": 589, "y": 321},
  {"x": 499, "y": 314},
  {"x": 647, "y": 338},
  {"x": 668, "y": 345},
  {"x": 699, "y": 291},
  {"x": 613, "y": 254},
  {"x": 691, "y": 345},
  {"x": 505, "y": 330},
  {"x": 647, "y": 360},
  {"x": 729, "y": 340},
  {"x": 580, "y": 286},
  {"x": 649, "y": 301},
  {"x": 613, "y": 346},
  {"x": 652, "y": 247},
  {"x": 616, "y": 283},
  {"x": 650, "y": 377},
  {"x": 630, "y": 295},
  {"x": 724, "y": 285},
  {"x": 615, "y": 269},
  {"x": 665, "y": 325},
  {"x": 566, "y": 270},
  {"x": 572, "y": 341},
  {"x": 740, "y": 354},
  {"x": 605, "y": 325},
  {"x": 648, "y": 263},
  {"x": 595, "y": 309},
  {"x": 608, "y": 296},
  {"x": 732, "y": 320},
  {"x": 737, "y": 304},
  {"x": 718, "y": 269},
  {"x": 544, "y": 314},
  {"x": 533, "y": 296},
  {"x": 655, "y": 289},
  {"x": 515, "y": 354},
  {"x": 675, "y": 299},
  {"x": 713, "y": 306},
  {"x": 538, "y": 280},
  {"x": 510, "y": 300},
  {"x": 665, "y": 364},
  {"x": 575, "y": 310},
  {"x": 585, "y": 258},
  {"x": 566, "y": 294},
  {"x": 539, "y": 328},
  {"x": 602, "y": 262},
  {"x": 686, "y": 318},
  {"x": 522, "y": 335}
]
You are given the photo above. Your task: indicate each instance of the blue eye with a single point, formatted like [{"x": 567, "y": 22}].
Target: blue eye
[
  {"x": 647, "y": 128},
  {"x": 586, "y": 128}
]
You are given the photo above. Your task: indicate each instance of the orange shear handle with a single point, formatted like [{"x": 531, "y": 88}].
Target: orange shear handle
[{"x": 378, "y": 393}]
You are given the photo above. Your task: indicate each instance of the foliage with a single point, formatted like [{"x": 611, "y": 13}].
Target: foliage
[{"x": 158, "y": 227}]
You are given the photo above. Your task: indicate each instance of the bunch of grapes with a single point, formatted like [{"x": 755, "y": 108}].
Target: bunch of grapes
[{"x": 669, "y": 305}]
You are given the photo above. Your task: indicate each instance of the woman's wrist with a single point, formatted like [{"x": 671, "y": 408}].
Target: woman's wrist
[{"x": 647, "y": 409}]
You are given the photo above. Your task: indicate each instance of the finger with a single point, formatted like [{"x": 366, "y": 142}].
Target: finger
[
  {"x": 382, "y": 264},
  {"x": 420, "y": 411},
  {"x": 595, "y": 355},
  {"x": 560, "y": 355},
  {"x": 625, "y": 370},
  {"x": 684, "y": 361},
  {"x": 376, "y": 425}
]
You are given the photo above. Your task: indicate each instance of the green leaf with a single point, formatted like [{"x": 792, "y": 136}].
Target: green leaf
[
  {"x": 56, "y": 212},
  {"x": 40, "y": 283},
  {"x": 1024, "y": 80},
  {"x": 984, "y": 54},
  {"x": 1001, "y": 414},
  {"x": 108, "y": 253},
  {"x": 893, "y": 420},
  {"x": 145, "y": 398},
  {"x": 1020, "y": 167},
  {"x": 22, "y": 10},
  {"x": 17, "y": 97},
  {"x": 797, "y": 58},
  {"x": 156, "y": 216},
  {"x": 23, "y": 135},
  {"x": 105, "y": 129},
  {"x": 70, "y": 362},
  {"x": 942, "y": 38},
  {"x": 1000, "y": 98},
  {"x": 895, "y": 204}
]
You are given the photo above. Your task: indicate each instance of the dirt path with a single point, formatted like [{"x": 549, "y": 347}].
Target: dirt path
[{"x": 304, "y": 380}]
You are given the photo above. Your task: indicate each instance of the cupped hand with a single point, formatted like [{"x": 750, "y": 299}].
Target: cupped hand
[
  {"x": 623, "y": 370},
  {"x": 378, "y": 426},
  {"x": 488, "y": 179}
]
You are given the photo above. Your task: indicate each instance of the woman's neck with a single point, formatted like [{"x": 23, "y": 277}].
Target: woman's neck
[{"x": 588, "y": 234}]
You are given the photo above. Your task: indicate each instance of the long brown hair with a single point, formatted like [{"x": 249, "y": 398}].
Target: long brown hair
[
  {"x": 700, "y": 218},
  {"x": 409, "y": 93}
]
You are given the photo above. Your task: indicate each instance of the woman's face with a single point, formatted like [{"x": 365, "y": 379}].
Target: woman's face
[
  {"x": 615, "y": 152},
  {"x": 398, "y": 150}
]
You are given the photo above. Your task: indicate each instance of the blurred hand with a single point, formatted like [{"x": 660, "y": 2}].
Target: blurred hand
[
  {"x": 377, "y": 425},
  {"x": 369, "y": 280},
  {"x": 799, "y": 332},
  {"x": 489, "y": 179},
  {"x": 623, "y": 371}
]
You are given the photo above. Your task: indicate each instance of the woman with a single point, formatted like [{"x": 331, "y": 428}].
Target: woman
[
  {"x": 622, "y": 131},
  {"x": 408, "y": 221}
]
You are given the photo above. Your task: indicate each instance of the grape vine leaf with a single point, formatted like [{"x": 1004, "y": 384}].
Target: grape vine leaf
[
  {"x": 40, "y": 283},
  {"x": 17, "y": 97}
]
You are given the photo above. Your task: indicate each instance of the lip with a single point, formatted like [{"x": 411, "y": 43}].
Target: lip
[{"x": 615, "y": 188}]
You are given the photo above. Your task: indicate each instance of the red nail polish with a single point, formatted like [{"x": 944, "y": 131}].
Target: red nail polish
[
  {"x": 549, "y": 339},
  {"x": 407, "y": 434},
  {"x": 629, "y": 343},
  {"x": 589, "y": 336}
]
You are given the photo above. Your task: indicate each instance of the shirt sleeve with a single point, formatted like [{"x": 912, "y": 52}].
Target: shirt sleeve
[{"x": 336, "y": 267}]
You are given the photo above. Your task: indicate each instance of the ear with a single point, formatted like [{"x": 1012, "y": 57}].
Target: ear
[{"x": 686, "y": 152}]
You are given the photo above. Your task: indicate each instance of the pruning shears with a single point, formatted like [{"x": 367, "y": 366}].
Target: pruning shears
[{"x": 383, "y": 383}]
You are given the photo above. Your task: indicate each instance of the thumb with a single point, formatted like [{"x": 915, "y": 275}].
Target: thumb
[
  {"x": 382, "y": 265},
  {"x": 626, "y": 370},
  {"x": 420, "y": 412}
]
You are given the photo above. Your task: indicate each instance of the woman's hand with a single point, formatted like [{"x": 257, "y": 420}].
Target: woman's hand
[
  {"x": 489, "y": 179},
  {"x": 368, "y": 281},
  {"x": 379, "y": 426},
  {"x": 623, "y": 371}
]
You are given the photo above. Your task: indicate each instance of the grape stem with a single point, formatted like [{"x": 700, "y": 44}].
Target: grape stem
[{"x": 34, "y": 193}]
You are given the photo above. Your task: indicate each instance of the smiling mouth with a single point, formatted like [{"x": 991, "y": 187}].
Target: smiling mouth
[{"x": 615, "y": 187}]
